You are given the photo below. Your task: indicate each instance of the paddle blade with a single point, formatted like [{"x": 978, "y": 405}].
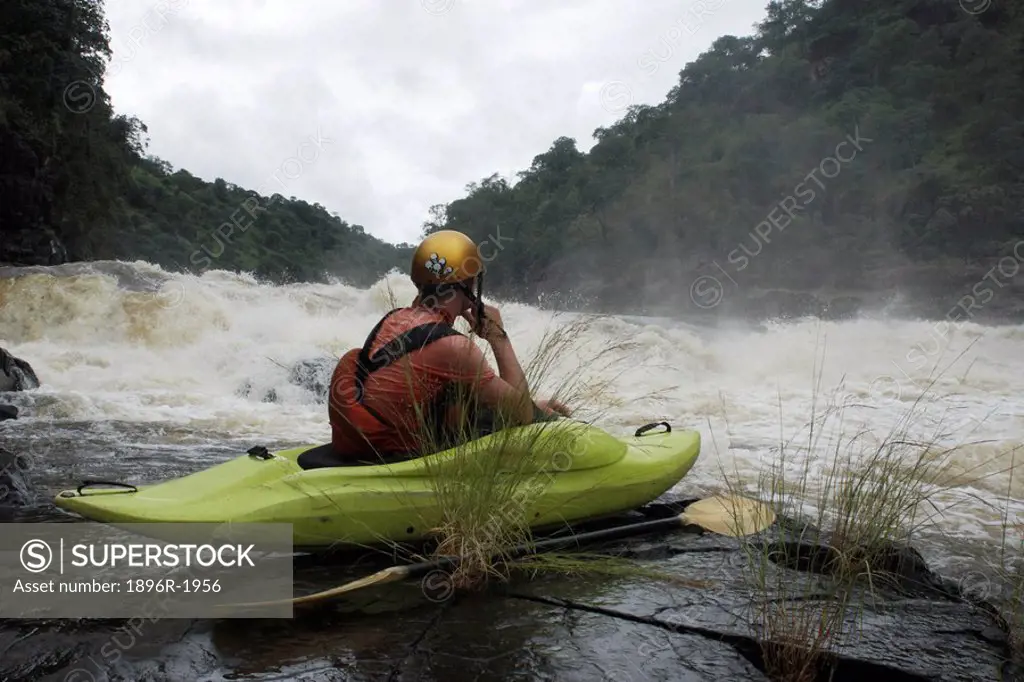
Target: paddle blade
[
  {"x": 388, "y": 575},
  {"x": 729, "y": 515}
]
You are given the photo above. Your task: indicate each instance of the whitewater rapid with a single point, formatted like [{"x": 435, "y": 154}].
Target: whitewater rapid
[{"x": 133, "y": 357}]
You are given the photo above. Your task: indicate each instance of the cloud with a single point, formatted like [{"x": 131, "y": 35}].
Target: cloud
[{"x": 417, "y": 97}]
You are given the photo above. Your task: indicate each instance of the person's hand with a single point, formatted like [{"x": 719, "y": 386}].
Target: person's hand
[
  {"x": 552, "y": 406},
  {"x": 493, "y": 329}
]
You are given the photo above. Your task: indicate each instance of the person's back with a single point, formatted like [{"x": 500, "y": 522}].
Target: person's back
[
  {"x": 402, "y": 402},
  {"x": 411, "y": 381}
]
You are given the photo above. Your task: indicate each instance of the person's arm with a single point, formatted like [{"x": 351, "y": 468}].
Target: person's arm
[
  {"x": 509, "y": 368},
  {"x": 509, "y": 392},
  {"x": 459, "y": 359}
]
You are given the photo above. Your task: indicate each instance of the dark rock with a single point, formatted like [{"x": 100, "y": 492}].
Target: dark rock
[
  {"x": 16, "y": 374},
  {"x": 906, "y": 624},
  {"x": 314, "y": 376},
  {"x": 8, "y": 412},
  {"x": 15, "y": 491}
]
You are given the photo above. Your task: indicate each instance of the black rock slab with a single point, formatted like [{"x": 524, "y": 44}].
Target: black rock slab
[
  {"x": 16, "y": 374},
  {"x": 906, "y": 627}
]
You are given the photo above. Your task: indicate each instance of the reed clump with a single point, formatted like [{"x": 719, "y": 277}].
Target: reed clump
[
  {"x": 489, "y": 494},
  {"x": 858, "y": 500},
  {"x": 1003, "y": 583}
]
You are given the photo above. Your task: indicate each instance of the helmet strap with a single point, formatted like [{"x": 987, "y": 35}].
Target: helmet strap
[
  {"x": 480, "y": 300},
  {"x": 476, "y": 299}
]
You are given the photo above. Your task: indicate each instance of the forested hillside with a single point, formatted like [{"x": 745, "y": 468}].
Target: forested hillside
[
  {"x": 76, "y": 184},
  {"x": 849, "y": 145},
  {"x": 846, "y": 147},
  {"x": 184, "y": 223}
]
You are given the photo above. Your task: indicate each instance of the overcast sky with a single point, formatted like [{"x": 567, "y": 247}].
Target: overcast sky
[{"x": 393, "y": 105}]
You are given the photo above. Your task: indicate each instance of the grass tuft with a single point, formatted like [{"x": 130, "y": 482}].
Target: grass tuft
[
  {"x": 1006, "y": 589},
  {"x": 487, "y": 496},
  {"x": 856, "y": 499}
]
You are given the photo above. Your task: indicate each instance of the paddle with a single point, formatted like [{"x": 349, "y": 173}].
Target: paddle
[{"x": 733, "y": 516}]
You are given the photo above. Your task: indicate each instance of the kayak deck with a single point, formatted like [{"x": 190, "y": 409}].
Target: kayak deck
[{"x": 588, "y": 474}]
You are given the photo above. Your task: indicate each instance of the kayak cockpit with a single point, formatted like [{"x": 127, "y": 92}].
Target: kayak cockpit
[
  {"x": 322, "y": 457},
  {"x": 573, "y": 447}
]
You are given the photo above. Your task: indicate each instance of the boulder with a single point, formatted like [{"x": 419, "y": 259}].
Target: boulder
[
  {"x": 15, "y": 491},
  {"x": 313, "y": 375},
  {"x": 8, "y": 412},
  {"x": 16, "y": 374}
]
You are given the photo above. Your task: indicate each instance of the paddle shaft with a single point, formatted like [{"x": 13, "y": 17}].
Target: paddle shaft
[
  {"x": 417, "y": 570},
  {"x": 705, "y": 513}
]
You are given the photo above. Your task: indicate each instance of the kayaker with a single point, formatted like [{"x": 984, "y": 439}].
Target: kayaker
[{"x": 415, "y": 382}]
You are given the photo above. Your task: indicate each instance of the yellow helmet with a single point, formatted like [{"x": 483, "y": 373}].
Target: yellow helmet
[{"x": 445, "y": 257}]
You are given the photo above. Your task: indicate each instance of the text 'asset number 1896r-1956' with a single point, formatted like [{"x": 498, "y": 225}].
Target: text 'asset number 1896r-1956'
[{"x": 128, "y": 586}]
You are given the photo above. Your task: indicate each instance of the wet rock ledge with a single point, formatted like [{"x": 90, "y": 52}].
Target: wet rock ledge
[{"x": 913, "y": 625}]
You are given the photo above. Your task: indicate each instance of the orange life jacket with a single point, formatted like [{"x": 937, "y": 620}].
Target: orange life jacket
[{"x": 358, "y": 430}]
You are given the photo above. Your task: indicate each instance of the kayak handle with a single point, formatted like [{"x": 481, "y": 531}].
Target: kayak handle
[
  {"x": 259, "y": 452},
  {"x": 647, "y": 427},
  {"x": 86, "y": 484}
]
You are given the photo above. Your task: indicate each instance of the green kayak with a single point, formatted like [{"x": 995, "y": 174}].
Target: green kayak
[{"x": 589, "y": 474}]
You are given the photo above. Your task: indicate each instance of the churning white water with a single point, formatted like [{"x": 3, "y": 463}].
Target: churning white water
[{"x": 130, "y": 344}]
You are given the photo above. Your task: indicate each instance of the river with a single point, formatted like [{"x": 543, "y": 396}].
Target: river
[{"x": 148, "y": 375}]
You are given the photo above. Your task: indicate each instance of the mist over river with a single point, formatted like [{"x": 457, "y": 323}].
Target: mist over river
[{"x": 148, "y": 375}]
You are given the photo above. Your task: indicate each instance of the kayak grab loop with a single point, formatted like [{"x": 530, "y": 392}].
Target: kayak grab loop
[
  {"x": 87, "y": 484},
  {"x": 647, "y": 427},
  {"x": 259, "y": 452}
]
